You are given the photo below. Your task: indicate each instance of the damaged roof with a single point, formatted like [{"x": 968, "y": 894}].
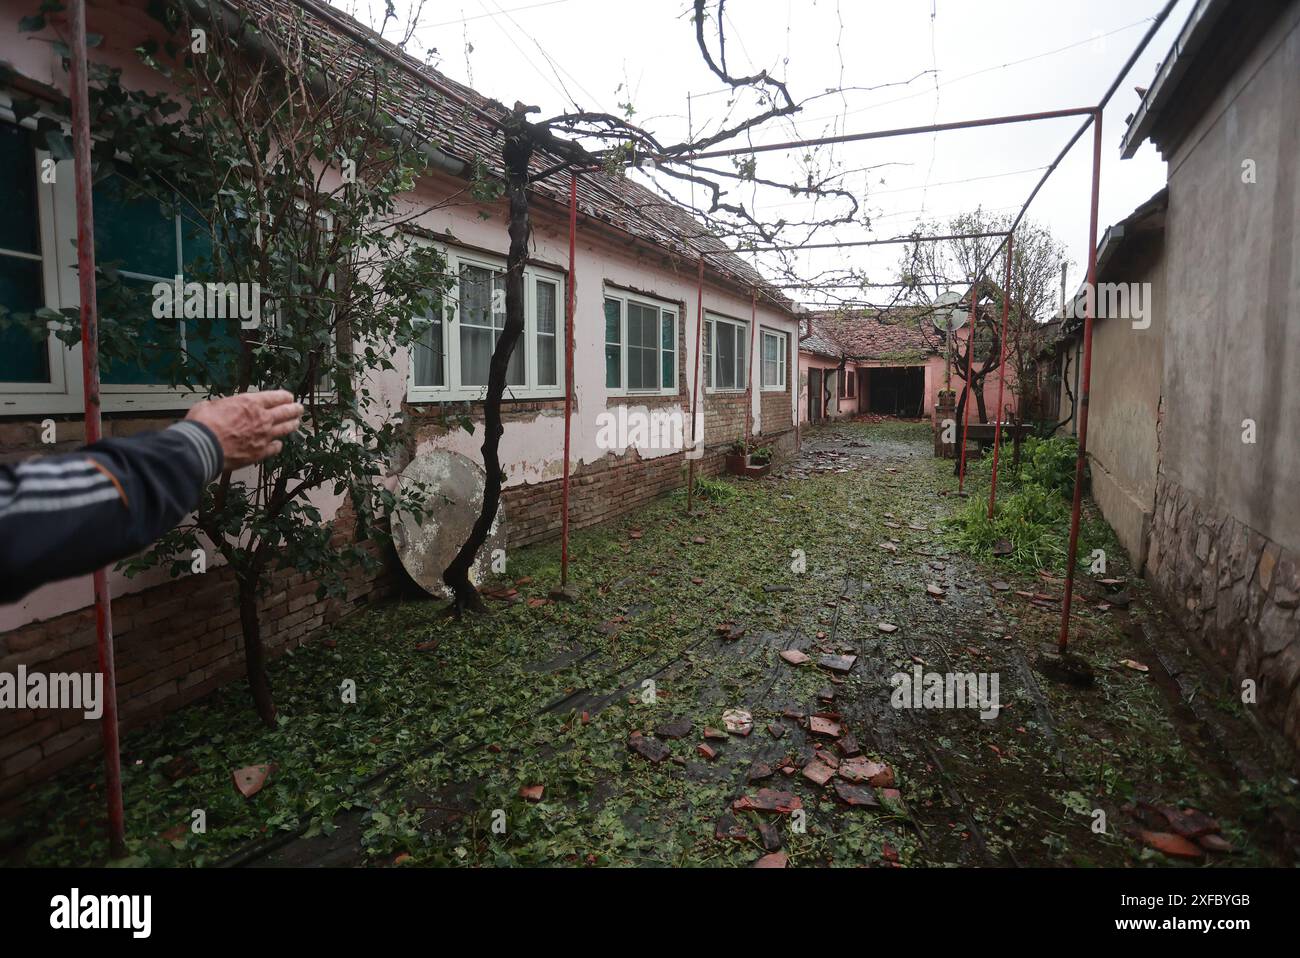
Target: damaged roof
[
  {"x": 870, "y": 334},
  {"x": 460, "y": 121}
]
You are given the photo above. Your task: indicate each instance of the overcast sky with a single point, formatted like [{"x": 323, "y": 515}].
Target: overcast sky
[{"x": 990, "y": 57}]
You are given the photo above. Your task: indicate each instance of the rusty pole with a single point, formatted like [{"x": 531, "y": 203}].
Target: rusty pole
[
  {"x": 1002, "y": 376},
  {"x": 695, "y": 393},
  {"x": 970, "y": 355},
  {"x": 94, "y": 426},
  {"x": 749, "y": 382},
  {"x": 1090, "y": 301},
  {"x": 568, "y": 378}
]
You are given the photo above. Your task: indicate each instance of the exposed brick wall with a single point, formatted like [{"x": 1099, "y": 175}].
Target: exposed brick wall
[
  {"x": 1236, "y": 591},
  {"x": 724, "y": 419},
  {"x": 174, "y": 643},
  {"x": 611, "y": 487}
]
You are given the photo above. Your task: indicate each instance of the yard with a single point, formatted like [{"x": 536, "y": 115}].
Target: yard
[{"x": 678, "y": 619}]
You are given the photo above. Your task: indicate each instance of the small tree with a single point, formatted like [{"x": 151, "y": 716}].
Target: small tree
[{"x": 288, "y": 185}]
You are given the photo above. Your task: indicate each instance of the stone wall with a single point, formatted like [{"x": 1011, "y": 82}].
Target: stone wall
[{"x": 1234, "y": 591}]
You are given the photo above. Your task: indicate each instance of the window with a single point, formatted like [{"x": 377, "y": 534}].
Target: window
[
  {"x": 453, "y": 354},
  {"x": 775, "y": 349},
  {"x": 23, "y": 359},
  {"x": 640, "y": 346},
  {"x": 724, "y": 354}
]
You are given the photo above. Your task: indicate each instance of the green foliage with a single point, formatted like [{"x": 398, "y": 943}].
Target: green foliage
[
  {"x": 298, "y": 197},
  {"x": 1033, "y": 511},
  {"x": 711, "y": 489}
]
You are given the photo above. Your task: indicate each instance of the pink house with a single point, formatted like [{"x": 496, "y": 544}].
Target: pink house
[{"x": 888, "y": 364}]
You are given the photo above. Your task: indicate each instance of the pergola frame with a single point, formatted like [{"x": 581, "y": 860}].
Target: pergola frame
[{"x": 79, "y": 93}]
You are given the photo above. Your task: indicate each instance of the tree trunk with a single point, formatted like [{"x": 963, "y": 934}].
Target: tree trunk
[
  {"x": 254, "y": 653},
  {"x": 517, "y": 152}
]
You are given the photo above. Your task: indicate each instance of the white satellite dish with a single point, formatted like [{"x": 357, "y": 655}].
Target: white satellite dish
[{"x": 947, "y": 318}]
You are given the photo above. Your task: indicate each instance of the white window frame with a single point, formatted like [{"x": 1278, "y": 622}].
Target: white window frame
[
  {"x": 666, "y": 309},
  {"x": 711, "y": 386},
  {"x": 452, "y": 390},
  {"x": 64, "y": 394},
  {"x": 783, "y": 340}
]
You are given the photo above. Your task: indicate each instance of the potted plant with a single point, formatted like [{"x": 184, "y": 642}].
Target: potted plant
[{"x": 737, "y": 458}]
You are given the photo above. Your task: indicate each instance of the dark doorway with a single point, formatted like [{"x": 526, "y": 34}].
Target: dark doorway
[
  {"x": 897, "y": 391},
  {"x": 816, "y": 396}
]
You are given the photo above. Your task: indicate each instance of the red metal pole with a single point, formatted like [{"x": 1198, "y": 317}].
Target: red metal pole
[
  {"x": 94, "y": 429},
  {"x": 970, "y": 354},
  {"x": 1090, "y": 300},
  {"x": 1002, "y": 377},
  {"x": 749, "y": 382},
  {"x": 695, "y": 389},
  {"x": 568, "y": 377}
]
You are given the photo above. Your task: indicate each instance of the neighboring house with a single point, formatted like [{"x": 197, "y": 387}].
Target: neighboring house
[
  {"x": 635, "y": 349},
  {"x": 1194, "y": 432},
  {"x": 880, "y": 363}
]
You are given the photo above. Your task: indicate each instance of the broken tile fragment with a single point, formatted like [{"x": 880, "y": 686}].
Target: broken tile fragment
[
  {"x": 706, "y": 751},
  {"x": 738, "y": 722},
  {"x": 848, "y": 745},
  {"x": 768, "y": 800},
  {"x": 1175, "y": 846},
  {"x": 794, "y": 656},
  {"x": 818, "y": 772},
  {"x": 822, "y": 725},
  {"x": 774, "y": 860},
  {"x": 856, "y": 795},
  {"x": 770, "y": 835},
  {"x": 713, "y": 733},
  {"x": 758, "y": 771},
  {"x": 886, "y": 627},
  {"x": 837, "y": 663},
  {"x": 250, "y": 779},
  {"x": 651, "y": 749},
  {"x": 776, "y": 731},
  {"x": 677, "y": 728}
]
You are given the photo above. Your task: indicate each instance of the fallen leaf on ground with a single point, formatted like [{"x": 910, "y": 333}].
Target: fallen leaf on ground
[
  {"x": 532, "y": 793},
  {"x": 250, "y": 779}
]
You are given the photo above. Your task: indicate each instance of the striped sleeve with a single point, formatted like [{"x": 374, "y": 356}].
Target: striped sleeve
[{"x": 62, "y": 516}]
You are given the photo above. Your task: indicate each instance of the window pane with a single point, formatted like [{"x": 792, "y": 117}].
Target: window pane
[
  {"x": 430, "y": 367},
  {"x": 136, "y": 233},
  {"x": 22, "y": 358},
  {"x": 613, "y": 347},
  {"x": 546, "y": 334},
  {"x": 668, "y": 339},
  {"x": 157, "y": 340},
  {"x": 708, "y": 354},
  {"x": 642, "y": 347},
  {"x": 482, "y": 315},
  {"x": 726, "y": 345},
  {"x": 19, "y": 227}
]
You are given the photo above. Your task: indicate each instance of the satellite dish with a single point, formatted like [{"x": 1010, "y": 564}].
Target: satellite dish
[
  {"x": 947, "y": 318},
  {"x": 454, "y": 497}
]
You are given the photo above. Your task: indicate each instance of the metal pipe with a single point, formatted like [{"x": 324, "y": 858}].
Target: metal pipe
[
  {"x": 695, "y": 393},
  {"x": 568, "y": 378},
  {"x": 1090, "y": 302},
  {"x": 970, "y": 357},
  {"x": 1002, "y": 377},
  {"x": 876, "y": 135},
  {"x": 94, "y": 425},
  {"x": 749, "y": 375},
  {"x": 892, "y": 241}
]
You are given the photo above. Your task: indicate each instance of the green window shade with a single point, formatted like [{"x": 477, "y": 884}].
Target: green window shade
[
  {"x": 613, "y": 344},
  {"x": 19, "y": 227},
  {"x": 23, "y": 359},
  {"x": 138, "y": 234}
]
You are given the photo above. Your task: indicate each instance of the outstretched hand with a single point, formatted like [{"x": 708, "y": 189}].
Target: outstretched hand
[{"x": 249, "y": 426}]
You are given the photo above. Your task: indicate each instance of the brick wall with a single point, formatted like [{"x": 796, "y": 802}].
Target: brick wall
[{"x": 174, "y": 643}]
